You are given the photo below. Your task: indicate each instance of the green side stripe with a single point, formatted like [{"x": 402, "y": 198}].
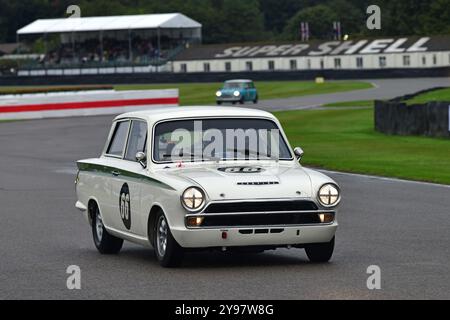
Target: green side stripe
[{"x": 89, "y": 167}]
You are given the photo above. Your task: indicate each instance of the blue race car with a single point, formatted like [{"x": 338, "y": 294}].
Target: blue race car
[{"x": 235, "y": 91}]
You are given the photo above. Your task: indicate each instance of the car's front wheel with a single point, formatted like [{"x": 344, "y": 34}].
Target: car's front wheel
[
  {"x": 104, "y": 242},
  {"x": 168, "y": 252},
  {"x": 320, "y": 252}
]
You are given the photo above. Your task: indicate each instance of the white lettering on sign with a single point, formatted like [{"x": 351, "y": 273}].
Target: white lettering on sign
[
  {"x": 279, "y": 50},
  {"x": 348, "y": 47},
  {"x": 325, "y": 48},
  {"x": 295, "y": 50},
  {"x": 418, "y": 46},
  {"x": 228, "y": 52},
  {"x": 396, "y": 46},
  {"x": 264, "y": 50},
  {"x": 376, "y": 46},
  {"x": 244, "y": 52}
]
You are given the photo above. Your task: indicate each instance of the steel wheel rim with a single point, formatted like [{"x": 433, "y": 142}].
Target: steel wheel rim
[
  {"x": 99, "y": 226},
  {"x": 161, "y": 236}
]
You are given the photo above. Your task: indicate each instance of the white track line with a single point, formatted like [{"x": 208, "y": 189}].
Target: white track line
[{"x": 385, "y": 178}]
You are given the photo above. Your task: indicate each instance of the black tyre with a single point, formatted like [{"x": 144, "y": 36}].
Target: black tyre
[
  {"x": 104, "y": 242},
  {"x": 320, "y": 252},
  {"x": 219, "y": 103},
  {"x": 168, "y": 252},
  {"x": 256, "y": 100},
  {"x": 241, "y": 101}
]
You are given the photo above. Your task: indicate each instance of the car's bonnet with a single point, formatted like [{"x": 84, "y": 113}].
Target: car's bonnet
[{"x": 272, "y": 182}]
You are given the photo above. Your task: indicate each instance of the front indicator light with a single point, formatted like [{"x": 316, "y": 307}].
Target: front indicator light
[
  {"x": 326, "y": 217},
  {"x": 195, "y": 221}
]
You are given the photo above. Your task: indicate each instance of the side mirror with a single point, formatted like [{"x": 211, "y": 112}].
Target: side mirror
[
  {"x": 142, "y": 159},
  {"x": 299, "y": 153}
]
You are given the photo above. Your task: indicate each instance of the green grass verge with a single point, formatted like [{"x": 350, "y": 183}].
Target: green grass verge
[
  {"x": 361, "y": 103},
  {"x": 204, "y": 93},
  {"x": 438, "y": 95},
  {"x": 345, "y": 140}
]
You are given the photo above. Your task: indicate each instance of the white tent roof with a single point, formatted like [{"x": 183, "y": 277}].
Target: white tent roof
[{"x": 148, "y": 21}]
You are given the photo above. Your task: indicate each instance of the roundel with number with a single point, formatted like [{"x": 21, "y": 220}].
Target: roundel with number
[{"x": 124, "y": 206}]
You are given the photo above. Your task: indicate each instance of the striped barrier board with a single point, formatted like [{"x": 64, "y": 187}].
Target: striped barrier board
[{"x": 83, "y": 103}]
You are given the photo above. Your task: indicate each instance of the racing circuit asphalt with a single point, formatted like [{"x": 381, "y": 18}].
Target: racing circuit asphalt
[
  {"x": 382, "y": 89},
  {"x": 402, "y": 227}
]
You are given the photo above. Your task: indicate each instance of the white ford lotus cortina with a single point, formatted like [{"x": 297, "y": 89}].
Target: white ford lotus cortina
[{"x": 205, "y": 178}]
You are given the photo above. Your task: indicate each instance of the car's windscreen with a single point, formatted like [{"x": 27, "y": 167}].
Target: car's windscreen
[
  {"x": 219, "y": 139},
  {"x": 234, "y": 85}
]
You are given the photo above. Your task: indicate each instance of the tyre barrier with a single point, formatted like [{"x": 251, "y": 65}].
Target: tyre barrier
[{"x": 397, "y": 118}]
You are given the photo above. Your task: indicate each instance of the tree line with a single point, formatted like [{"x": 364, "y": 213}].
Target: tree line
[{"x": 251, "y": 20}]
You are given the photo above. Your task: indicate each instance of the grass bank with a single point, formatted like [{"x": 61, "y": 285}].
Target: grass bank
[
  {"x": 345, "y": 140},
  {"x": 204, "y": 93},
  {"x": 437, "y": 95}
]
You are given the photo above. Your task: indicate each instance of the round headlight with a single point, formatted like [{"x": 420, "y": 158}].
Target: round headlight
[
  {"x": 193, "y": 199},
  {"x": 237, "y": 93},
  {"x": 329, "y": 195},
  {"x": 218, "y": 93}
]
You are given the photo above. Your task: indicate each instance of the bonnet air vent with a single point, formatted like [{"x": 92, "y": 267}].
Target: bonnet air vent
[{"x": 258, "y": 183}]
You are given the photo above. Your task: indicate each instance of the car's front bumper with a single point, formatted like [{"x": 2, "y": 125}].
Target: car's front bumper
[{"x": 291, "y": 235}]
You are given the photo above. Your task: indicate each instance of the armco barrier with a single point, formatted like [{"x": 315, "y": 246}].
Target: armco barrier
[
  {"x": 170, "y": 77},
  {"x": 85, "y": 103}
]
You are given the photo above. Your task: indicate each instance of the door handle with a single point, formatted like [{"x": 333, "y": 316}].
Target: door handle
[{"x": 115, "y": 173}]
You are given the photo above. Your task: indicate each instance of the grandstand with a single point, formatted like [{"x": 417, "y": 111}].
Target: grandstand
[{"x": 111, "y": 44}]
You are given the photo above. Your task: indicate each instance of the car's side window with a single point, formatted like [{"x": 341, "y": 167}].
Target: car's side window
[
  {"x": 137, "y": 141},
  {"x": 117, "y": 144}
]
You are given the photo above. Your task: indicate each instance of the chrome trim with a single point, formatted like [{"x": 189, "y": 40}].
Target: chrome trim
[
  {"x": 257, "y": 183},
  {"x": 202, "y": 214},
  {"x": 223, "y": 228}
]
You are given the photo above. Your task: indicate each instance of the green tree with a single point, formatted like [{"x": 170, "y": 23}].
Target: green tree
[
  {"x": 320, "y": 19},
  {"x": 351, "y": 17},
  {"x": 277, "y": 12},
  {"x": 240, "y": 21},
  {"x": 433, "y": 25}
]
